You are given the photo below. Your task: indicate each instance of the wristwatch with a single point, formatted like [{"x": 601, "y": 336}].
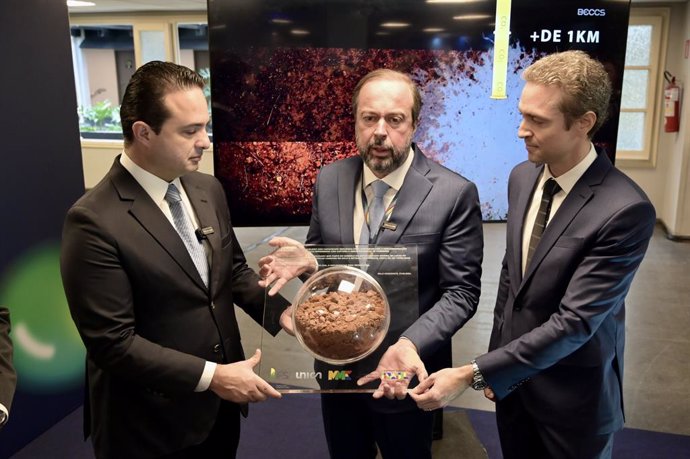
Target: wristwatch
[{"x": 478, "y": 382}]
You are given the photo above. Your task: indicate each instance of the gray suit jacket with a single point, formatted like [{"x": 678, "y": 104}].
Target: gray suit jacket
[
  {"x": 559, "y": 331},
  {"x": 145, "y": 316},
  {"x": 436, "y": 209}
]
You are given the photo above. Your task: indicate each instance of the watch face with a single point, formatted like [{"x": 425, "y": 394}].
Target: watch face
[{"x": 478, "y": 385}]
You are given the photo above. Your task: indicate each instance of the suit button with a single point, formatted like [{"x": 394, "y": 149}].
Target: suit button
[
  {"x": 213, "y": 306},
  {"x": 216, "y": 348}
]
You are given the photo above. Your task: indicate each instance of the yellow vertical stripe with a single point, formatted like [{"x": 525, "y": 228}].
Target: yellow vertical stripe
[{"x": 501, "y": 44}]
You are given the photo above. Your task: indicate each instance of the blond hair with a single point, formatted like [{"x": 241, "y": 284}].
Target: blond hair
[{"x": 586, "y": 85}]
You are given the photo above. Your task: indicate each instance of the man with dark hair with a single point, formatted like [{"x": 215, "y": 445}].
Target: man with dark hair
[
  {"x": 426, "y": 205},
  {"x": 151, "y": 297},
  {"x": 8, "y": 377},
  {"x": 577, "y": 231}
]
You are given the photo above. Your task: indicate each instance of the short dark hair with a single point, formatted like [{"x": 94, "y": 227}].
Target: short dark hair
[
  {"x": 143, "y": 99},
  {"x": 388, "y": 74}
]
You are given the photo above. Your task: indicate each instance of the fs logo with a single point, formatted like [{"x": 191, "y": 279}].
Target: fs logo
[
  {"x": 591, "y": 12},
  {"x": 339, "y": 375}
]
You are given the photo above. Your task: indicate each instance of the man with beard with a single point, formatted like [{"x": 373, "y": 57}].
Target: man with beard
[{"x": 425, "y": 205}]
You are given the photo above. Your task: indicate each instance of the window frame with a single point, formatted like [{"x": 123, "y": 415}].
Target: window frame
[
  {"x": 165, "y": 22},
  {"x": 658, "y": 19}
]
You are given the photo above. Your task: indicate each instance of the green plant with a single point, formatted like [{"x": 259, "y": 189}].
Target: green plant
[{"x": 101, "y": 116}]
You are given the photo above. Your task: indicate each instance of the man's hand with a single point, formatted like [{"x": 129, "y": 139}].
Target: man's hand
[
  {"x": 400, "y": 357},
  {"x": 287, "y": 261},
  {"x": 441, "y": 387},
  {"x": 286, "y": 321},
  {"x": 488, "y": 393},
  {"x": 238, "y": 383}
]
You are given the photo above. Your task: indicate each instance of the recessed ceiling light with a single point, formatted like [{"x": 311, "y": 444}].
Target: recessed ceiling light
[
  {"x": 79, "y": 3},
  {"x": 393, "y": 25},
  {"x": 299, "y": 32},
  {"x": 469, "y": 17},
  {"x": 281, "y": 21},
  {"x": 433, "y": 29},
  {"x": 453, "y": 1}
]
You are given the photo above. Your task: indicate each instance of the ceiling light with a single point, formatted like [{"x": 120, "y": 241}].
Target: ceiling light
[
  {"x": 78, "y": 3},
  {"x": 433, "y": 29},
  {"x": 281, "y": 21},
  {"x": 470, "y": 17},
  {"x": 299, "y": 32},
  {"x": 453, "y": 1},
  {"x": 393, "y": 25}
]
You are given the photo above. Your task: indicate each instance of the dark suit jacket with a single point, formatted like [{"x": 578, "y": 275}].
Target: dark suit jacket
[
  {"x": 145, "y": 316},
  {"x": 8, "y": 377},
  {"x": 436, "y": 209},
  {"x": 559, "y": 332}
]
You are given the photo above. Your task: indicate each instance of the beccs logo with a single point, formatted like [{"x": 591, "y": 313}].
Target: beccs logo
[{"x": 591, "y": 12}]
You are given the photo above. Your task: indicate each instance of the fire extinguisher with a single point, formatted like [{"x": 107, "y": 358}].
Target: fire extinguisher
[{"x": 671, "y": 103}]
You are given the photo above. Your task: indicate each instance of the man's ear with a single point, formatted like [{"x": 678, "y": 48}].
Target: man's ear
[
  {"x": 587, "y": 121},
  {"x": 142, "y": 132}
]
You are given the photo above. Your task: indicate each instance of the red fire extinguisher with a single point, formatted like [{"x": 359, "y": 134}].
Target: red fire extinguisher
[{"x": 671, "y": 103}]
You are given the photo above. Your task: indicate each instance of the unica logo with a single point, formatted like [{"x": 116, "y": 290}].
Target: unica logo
[{"x": 339, "y": 375}]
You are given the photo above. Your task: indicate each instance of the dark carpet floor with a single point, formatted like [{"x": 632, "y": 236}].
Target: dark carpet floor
[{"x": 291, "y": 429}]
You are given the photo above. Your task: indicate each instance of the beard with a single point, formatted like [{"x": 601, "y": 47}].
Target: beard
[{"x": 383, "y": 166}]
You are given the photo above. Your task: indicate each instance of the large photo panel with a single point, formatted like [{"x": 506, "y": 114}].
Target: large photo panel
[{"x": 283, "y": 73}]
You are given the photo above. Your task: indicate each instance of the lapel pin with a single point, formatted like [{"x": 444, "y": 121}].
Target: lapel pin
[{"x": 390, "y": 226}]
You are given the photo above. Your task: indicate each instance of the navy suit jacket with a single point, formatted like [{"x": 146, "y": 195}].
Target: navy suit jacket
[
  {"x": 559, "y": 331},
  {"x": 438, "y": 211},
  {"x": 146, "y": 318}
]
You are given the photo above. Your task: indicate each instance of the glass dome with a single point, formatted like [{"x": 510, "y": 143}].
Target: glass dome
[{"x": 340, "y": 315}]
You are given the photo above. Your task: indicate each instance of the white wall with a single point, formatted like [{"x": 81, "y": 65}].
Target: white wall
[{"x": 667, "y": 182}]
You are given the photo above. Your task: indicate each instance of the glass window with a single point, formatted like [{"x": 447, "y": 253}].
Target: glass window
[
  {"x": 106, "y": 51},
  {"x": 639, "y": 117},
  {"x": 193, "y": 53},
  {"x": 103, "y": 60}
]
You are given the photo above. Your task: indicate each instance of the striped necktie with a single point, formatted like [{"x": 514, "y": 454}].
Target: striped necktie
[
  {"x": 184, "y": 228},
  {"x": 550, "y": 189},
  {"x": 376, "y": 211}
]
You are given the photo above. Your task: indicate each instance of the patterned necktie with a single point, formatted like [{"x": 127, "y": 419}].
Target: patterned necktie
[
  {"x": 550, "y": 189},
  {"x": 376, "y": 212},
  {"x": 184, "y": 229}
]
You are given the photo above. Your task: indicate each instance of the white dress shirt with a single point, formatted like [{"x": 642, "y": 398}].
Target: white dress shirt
[
  {"x": 394, "y": 180},
  {"x": 566, "y": 181}
]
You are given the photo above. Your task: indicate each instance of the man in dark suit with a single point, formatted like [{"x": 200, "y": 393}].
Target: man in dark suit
[
  {"x": 555, "y": 360},
  {"x": 428, "y": 206},
  {"x": 8, "y": 377},
  {"x": 166, "y": 374}
]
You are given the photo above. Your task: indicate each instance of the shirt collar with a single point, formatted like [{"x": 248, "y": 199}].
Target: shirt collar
[
  {"x": 568, "y": 180},
  {"x": 154, "y": 186},
  {"x": 396, "y": 178}
]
